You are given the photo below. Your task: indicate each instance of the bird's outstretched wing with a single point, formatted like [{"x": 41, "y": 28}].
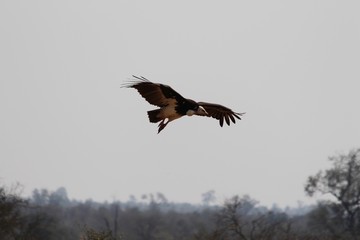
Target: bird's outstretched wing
[
  {"x": 220, "y": 112},
  {"x": 155, "y": 93}
]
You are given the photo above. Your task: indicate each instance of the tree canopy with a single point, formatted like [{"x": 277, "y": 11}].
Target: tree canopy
[{"x": 342, "y": 181}]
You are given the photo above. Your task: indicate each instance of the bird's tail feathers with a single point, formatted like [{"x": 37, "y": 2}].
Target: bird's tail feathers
[{"x": 153, "y": 115}]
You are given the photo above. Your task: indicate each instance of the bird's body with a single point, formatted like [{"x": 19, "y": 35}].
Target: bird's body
[{"x": 173, "y": 105}]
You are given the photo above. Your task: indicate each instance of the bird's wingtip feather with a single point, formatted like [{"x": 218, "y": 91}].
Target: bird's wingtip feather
[{"x": 130, "y": 83}]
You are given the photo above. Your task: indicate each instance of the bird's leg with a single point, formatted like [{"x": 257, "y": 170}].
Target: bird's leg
[{"x": 162, "y": 125}]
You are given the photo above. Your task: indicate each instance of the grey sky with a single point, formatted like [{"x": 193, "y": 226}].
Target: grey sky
[{"x": 293, "y": 66}]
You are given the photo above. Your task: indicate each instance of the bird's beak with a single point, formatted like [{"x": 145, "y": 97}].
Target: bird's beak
[{"x": 201, "y": 111}]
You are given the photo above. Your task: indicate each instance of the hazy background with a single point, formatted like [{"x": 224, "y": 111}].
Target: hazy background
[{"x": 293, "y": 66}]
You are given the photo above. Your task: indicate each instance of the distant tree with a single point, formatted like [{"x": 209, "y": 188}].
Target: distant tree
[
  {"x": 19, "y": 220},
  {"x": 240, "y": 219},
  {"x": 59, "y": 197},
  {"x": 11, "y": 218},
  {"x": 342, "y": 181},
  {"x": 233, "y": 218},
  {"x": 160, "y": 198},
  {"x": 132, "y": 200},
  {"x": 148, "y": 223},
  {"x": 44, "y": 197},
  {"x": 40, "y": 197},
  {"x": 111, "y": 221},
  {"x": 208, "y": 197}
]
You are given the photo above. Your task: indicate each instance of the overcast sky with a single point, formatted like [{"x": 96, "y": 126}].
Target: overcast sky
[{"x": 293, "y": 66}]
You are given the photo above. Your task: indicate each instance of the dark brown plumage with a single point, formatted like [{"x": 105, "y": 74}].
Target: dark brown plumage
[
  {"x": 173, "y": 105},
  {"x": 220, "y": 112}
]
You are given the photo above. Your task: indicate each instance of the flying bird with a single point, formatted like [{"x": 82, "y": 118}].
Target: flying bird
[{"x": 173, "y": 105}]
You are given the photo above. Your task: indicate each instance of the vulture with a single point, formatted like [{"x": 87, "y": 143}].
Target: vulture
[{"x": 173, "y": 106}]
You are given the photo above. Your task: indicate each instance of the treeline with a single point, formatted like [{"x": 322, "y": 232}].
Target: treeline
[{"x": 51, "y": 215}]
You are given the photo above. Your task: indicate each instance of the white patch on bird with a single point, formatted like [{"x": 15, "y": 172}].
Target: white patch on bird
[
  {"x": 201, "y": 111},
  {"x": 190, "y": 112}
]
